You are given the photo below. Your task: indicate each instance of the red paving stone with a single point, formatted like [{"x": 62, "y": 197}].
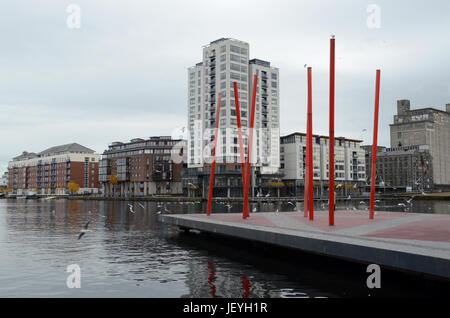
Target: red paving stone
[
  {"x": 435, "y": 229},
  {"x": 342, "y": 220},
  {"x": 237, "y": 217},
  {"x": 322, "y": 223}
]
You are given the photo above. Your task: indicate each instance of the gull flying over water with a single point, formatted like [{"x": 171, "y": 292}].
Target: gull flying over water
[
  {"x": 84, "y": 229},
  {"x": 130, "y": 207},
  {"x": 141, "y": 205}
]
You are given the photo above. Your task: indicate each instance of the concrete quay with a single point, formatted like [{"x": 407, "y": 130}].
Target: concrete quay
[{"x": 410, "y": 242}]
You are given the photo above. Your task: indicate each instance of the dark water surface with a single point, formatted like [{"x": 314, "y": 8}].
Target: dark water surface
[{"x": 128, "y": 254}]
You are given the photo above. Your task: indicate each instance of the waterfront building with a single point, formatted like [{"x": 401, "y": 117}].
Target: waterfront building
[
  {"x": 429, "y": 130},
  {"x": 51, "y": 170},
  {"x": 349, "y": 157},
  {"x": 142, "y": 167},
  {"x": 405, "y": 169},
  {"x": 419, "y": 157},
  {"x": 224, "y": 62},
  {"x": 4, "y": 180}
]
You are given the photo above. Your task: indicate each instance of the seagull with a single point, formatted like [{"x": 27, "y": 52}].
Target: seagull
[
  {"x": 349, "y": 197},
  {"x": 131, "y": 208},
  {"x": 362, "y": 202},
  {"x": 229, "y": 206},
  {"x": 165, "y": 209},
  {"x": 268, "y": 194},
  {"x": 141, "y": 205},
  {"x": 289, "y": 202},
  {"x": 401, "y": 204},
  {"x": 276, "y": 211},
  {"x": 409, "y": 201},
  {"x": 254, "y": 209},
  {"x": 84, "y": 229}
]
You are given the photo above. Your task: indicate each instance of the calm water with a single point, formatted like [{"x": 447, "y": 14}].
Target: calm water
[{"x": 133, "y": 255}]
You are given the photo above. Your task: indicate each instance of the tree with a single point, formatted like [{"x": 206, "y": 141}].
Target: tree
[
  {"x": 73, "y": 187},
  {"x": 113, "y": 179}
]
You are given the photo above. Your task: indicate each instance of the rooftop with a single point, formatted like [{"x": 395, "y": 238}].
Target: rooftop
[
  {"x": 259, "y": 62},
  {"x": 73, "y": 147},
  {"x": 315, "y": 136}
]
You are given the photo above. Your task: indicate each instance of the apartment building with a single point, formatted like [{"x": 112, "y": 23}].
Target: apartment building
[
  {"x": 142, "y": 167},
  {"x": 429, "y": 130},
  {"x": 349, "y": 160},
  {"x": 50, "y": 171},
  {"x": 4, "y": 180},
  {"x": 224, "y": 62}
]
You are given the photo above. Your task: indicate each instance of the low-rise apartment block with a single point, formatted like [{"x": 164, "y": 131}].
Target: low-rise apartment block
[
  {"x": 51, "y": 170},
  {"x": 349, "y": 160},
  {"x": 143, "y": 167}
]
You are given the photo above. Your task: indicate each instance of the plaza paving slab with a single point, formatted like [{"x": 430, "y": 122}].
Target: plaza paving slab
[{"x": 411, "y": 242}]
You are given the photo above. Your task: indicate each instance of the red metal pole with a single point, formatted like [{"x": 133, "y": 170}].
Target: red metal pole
[
  {"x": 213, "y": 164},
  {"x": 331, "y": 145},
  {"x": 306, "y": 178},
  {"x": 249, "y": 147},
  {"x": 374, "y": 147},
  {"x": 310, "y": 152},
  {"x": 241, "y": 143}
]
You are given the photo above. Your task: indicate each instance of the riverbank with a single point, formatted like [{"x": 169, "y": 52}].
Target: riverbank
[
  {"x": 420, "y": 196},
  {"x": 417, "y": 196}
]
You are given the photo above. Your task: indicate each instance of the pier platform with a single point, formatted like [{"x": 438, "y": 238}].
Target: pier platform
[{"x": 411, "y": 242}]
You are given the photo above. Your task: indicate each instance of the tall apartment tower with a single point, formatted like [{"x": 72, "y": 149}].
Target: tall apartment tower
[{"x": 226, "y": 61}]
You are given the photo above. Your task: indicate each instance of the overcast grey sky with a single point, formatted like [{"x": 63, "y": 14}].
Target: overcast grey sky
[{"x": 123, "y": 73}]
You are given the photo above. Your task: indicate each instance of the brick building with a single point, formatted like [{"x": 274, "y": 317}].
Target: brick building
[
  {"x": 50, "y": 171},
  {"x": 142, "y": 167}
]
